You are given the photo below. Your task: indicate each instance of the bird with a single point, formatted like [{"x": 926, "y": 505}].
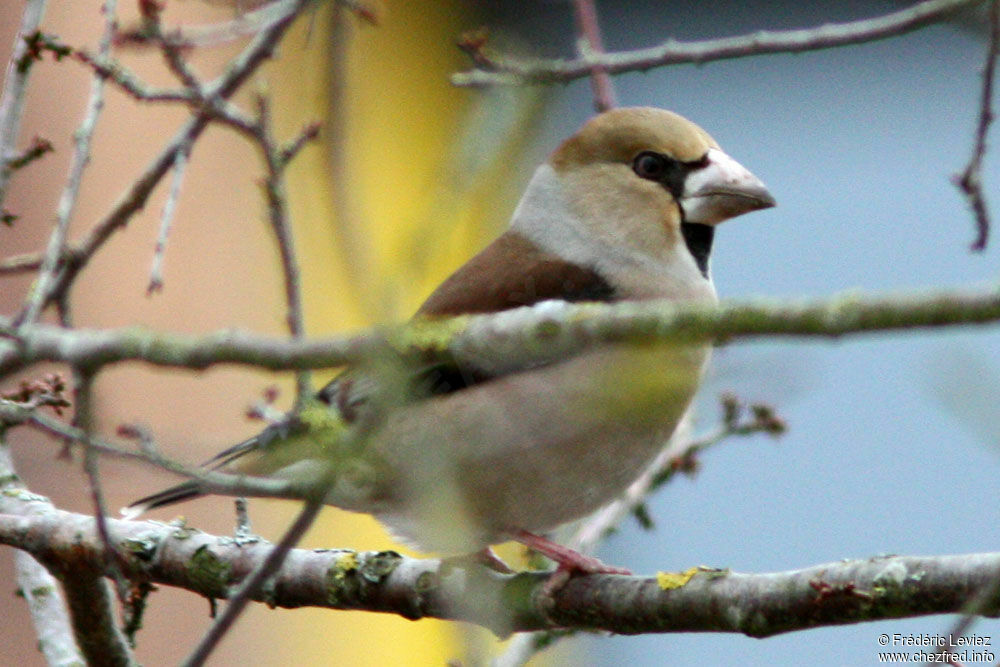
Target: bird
[{"x": 454, "y": 457}]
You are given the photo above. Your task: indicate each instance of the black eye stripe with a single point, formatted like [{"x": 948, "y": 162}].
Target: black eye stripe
[{"x": 666, "y": 170}]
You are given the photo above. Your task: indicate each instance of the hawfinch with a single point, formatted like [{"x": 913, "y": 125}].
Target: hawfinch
[{"x": 456, "y": 458}]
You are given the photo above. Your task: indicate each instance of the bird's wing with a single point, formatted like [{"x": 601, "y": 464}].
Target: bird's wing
[{"x": 509, "y": 273}]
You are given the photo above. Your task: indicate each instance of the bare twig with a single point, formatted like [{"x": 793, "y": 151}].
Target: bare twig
[
  {"x": 83, "y": 418},
  {"x": 274, "y": 185},
  {"x": 170, "y": 48},
  {"x": 139, "y": 433},
  {"x": 588, "y": 45},
  {"x": 91, "y": 605},
  {"x": 41, "y": 294},
  {"x": 166, "y": 220},
  {"x": 291, "y": 148},
  {"x": 131, "y": 84},
  {"x": 34, "y": 151},
  {"x": 244, "y": 530},
  {"x": 75, "y": 256},
  {"x": 510, "y": 70},
  {"x": 971, "y": 612},
  {"x": 23, "y": 263},
  {"x": 12, "y": 413},
  {"x": 251, "y": 587},
  {"x": 14, "y": 88},
  {"x": 970, "y": 180}
]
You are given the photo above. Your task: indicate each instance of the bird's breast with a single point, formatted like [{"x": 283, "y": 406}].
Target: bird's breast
[{"x": 533, "y": 449}]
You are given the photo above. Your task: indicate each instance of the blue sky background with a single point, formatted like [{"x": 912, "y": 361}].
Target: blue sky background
[{"x": 858, "y": 145}]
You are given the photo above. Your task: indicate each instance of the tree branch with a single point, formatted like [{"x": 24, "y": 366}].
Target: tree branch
[
  {"x": 501, "y": 69},
  {"x": 254, "y": 583},
  {"x": 14, "y": 88},
  {"x": 13, "y": 414},
  {"x": 970, "y": 180},
  {"x": 547, "y": 330},
  {"x": 75, "y": 256},
  {"x": 38, "y": 587},
  {"x": 87, "y": 594},
  {"x": 41, "y": 293},
  {"x": 757, "y": 605},
  {"x": 590, "y": 44}
]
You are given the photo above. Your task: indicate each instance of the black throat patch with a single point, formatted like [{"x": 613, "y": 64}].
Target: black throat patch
[{"x": 698, "y": 239}]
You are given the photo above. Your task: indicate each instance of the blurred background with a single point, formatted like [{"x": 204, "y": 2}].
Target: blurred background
[{"x": 893, "y": 442}]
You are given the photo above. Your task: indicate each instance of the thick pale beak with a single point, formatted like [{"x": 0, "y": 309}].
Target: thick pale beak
[{"x": 721, "y": 190}]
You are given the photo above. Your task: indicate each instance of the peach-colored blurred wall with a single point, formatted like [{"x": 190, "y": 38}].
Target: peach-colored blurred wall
[{"x": 221, "y": 271}]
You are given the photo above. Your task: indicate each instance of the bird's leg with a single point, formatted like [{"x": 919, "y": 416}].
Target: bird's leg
[
  {"x": 484, "y": 557},
  {"x": 568, "y": 560}
]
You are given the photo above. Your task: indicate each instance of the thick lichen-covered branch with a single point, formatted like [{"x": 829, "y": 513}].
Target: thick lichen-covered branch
[
  {"x": 701, "y": 599},
  {"x": 90, "y": 618},
  {"x": 544, "y": 331}
]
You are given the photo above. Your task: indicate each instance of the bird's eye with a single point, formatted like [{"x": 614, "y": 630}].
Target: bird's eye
[{"x": 651, "y": 165}]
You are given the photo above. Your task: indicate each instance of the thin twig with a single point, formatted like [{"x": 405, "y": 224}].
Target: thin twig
[
  {"x": 41, "y": 294},
  {"x": 291, "y": 148},
  {"x": 76, "y": 256},
  {"x": 131, "y": 84},
  {"x": 274, "y": 185},
  {"x": 244, "y": 529},
  {"x": 14, "y": 89},
  {"x": 246, "y": 592},
  {"x": 34, "y": 151},
  {"x": 213, "y": 482},
  {"x": 215, "y": 34},
  {"x": 179, "y": 66},
  {"x": 977, "y": 602},
  {"x": 970, "y": 180},
  {"x": 83, "y": 419},
  {"x": 589, "y": 45},
  {"x": 166, "y": 221},
  {"x": 509, "y": 70}
]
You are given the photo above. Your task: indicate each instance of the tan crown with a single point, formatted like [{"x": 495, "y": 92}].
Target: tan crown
[{"x": 621, "y": 134}]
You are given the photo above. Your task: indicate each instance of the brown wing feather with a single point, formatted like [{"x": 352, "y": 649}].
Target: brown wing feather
[
  {"x": 512, "y": 272},
  {"x": 508, "y": 273}
]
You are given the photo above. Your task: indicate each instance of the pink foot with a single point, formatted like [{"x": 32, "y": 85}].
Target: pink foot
[{"x": 568, "y": 560}]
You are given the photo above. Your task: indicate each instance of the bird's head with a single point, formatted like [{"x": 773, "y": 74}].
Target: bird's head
[{"x": 639, "y": 181}]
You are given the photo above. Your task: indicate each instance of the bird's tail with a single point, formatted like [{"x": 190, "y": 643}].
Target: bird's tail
[
  {"x": 287, "y": 441},
  {"x": 193, "y": 489},
  {"x": 175, "y": 494}
]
